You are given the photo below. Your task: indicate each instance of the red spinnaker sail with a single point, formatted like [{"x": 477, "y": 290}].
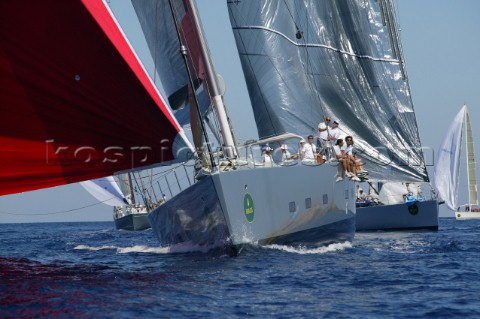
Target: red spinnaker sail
[{"x": 75, "y": 103}]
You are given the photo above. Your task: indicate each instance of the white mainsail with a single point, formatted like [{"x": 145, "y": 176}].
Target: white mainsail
[{"x": 447, "y": 162}]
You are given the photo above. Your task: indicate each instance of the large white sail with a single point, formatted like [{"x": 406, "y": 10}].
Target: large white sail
[
  {"x": 447, "y": 162},
  {"x": 304, "y": 60},
  {"x": 105, "y": 190}
]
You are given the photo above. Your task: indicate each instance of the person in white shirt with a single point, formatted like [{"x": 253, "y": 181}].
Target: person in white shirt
[
  {"x": 309, "y": 152},
  {"x": 322, "y": 139},
  {"x": 343, "y": 159},
  {"x": 267, "y": 157},
  {"x": 355, "y": 161},
  {"x": 361, "y": 195},
  {"x": 334, "y": 134},
  {"x": 372, "y": 195},
  {"x": 287, "y": 157}
]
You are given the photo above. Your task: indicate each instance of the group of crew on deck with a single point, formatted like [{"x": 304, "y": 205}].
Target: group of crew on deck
[
  {"x": 366, "y": 200},
  {"x": 329, "y": 146}
]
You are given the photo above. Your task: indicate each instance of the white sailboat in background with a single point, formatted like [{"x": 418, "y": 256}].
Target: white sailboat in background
[
  {"x": 128, "y": 214},
  {"x": 447, "y": 167}
]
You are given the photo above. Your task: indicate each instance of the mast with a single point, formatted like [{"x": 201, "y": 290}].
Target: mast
[
  {"x": 459, "y": 162},
  {"x": 130, "y": 185},
  {"x": 228, "y": 140},
  {"x": 471, "y": 171},
  {"x": 192, "y": 96}
]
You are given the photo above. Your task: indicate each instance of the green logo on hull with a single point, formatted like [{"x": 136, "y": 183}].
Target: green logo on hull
[
  {"x": 413, "y": 209},
  {"x": 248, "y": 207}
]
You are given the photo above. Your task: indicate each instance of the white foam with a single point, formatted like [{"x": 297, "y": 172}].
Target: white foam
[
  {"x": 86, "y": 247},
  {"x": 189, "y": 247},
  {"x": 179, "y": 248},
  {"x": 307, "y": 251},
  {"x": 142, "y": 249}
]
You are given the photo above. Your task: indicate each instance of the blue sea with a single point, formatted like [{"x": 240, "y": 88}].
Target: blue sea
[{"x": 91, "y": 270}]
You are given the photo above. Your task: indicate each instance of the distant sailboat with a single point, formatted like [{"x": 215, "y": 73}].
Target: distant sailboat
[
  {"x": 128, "y": 214},
  {"x": 447, "y": 168}
]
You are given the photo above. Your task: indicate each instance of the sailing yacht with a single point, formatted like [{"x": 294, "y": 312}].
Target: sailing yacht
[
  {"x": 447, "y": 167},
  {"x": 398, "y": 206},
  {"x": 234, "y": 201},
  {"x": 128, "y": 214},
  {"x": 306, "y": 60}
]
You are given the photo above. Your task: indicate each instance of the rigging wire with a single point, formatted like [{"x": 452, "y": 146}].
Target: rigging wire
[
  {"x": 187, "y": 58},
  {"x": 58, "y": 212}
]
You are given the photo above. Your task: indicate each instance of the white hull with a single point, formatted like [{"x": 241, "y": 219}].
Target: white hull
[
  {"x": 422, "y": 215},
  {"x": 467, "y": 215},
  {"x": 297, "y": 205}
]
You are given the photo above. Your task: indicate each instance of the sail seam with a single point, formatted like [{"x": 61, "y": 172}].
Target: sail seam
[
  {"x": 262, "y": 96},
  {"x": 313, "y": 45}
]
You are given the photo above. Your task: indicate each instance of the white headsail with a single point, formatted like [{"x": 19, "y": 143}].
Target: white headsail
[
  {"x": 447, "y": 162},
  {"x": 105, "y": 190}
]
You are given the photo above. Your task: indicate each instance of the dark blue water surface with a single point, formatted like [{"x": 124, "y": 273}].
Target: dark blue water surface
[{"x": 90, "y": 270}]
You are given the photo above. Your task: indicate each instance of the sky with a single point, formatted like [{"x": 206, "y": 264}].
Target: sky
[{"x": 441, "y": 47}]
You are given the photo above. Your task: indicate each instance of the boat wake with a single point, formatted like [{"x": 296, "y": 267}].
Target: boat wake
[
  {"x": 179, "y": 248},
  {"x": 311, "y": 251}
]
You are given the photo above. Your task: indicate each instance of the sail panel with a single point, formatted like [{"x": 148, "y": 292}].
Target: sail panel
[
  {"x": 75, "y": 102},
  {"x": 105, "y": 190},
  {"x": 447, "y": 162},
  {"x": 125, "y": 184},
  {"x": 304, "y": 60},
  {"x": 160, "y": 32}
]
